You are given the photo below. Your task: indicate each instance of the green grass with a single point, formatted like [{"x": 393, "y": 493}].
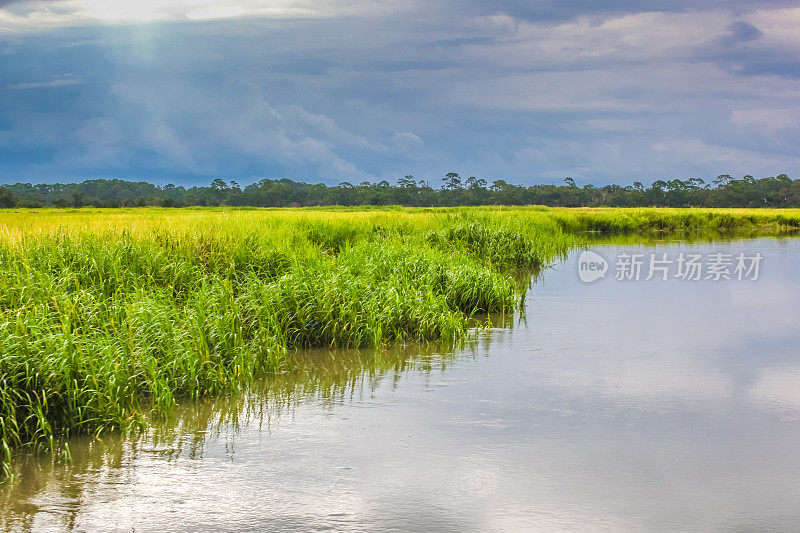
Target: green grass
[{"x": 108, "y": 317}]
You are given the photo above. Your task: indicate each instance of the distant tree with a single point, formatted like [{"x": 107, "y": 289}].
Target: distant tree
[
  {"x": 452, "y": 181},
  {"x": 722, "y": 180},
  {"x": 499, "y": 186},
  {"x": 724, "y": 191},
  {"x": 475, "y": 184},
  {"x": 219, "y": 185},
  {"x": 407, "y": 182},
  {"x": 7, "y": 198},
  {"x": 31, "y": 204}
]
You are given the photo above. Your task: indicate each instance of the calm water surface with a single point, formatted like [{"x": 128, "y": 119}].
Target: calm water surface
[{"x": 625, "y": 406}]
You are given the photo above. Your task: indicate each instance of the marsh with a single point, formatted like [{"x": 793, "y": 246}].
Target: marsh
[{"x": 615, "y": 405}]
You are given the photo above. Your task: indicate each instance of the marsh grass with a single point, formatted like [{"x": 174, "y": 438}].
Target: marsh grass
[{"x": 110, "y": 317}]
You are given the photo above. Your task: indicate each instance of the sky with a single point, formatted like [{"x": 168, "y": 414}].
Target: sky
[{"x": 530, "y": 91}]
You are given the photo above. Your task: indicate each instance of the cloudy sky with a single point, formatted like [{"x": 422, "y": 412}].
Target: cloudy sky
[{"x": 329, "y": 90}]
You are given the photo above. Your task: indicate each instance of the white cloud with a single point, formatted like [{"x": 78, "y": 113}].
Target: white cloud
[
  {"x": 550, "y": 91},
  {"x": 407, "y": 141},
  {"x": 58, "y": 81},
  {"x": 242, "y": 123},
  {"x": 699, "y": 152},
  {"x": 42, "y": 14},
  {"x": 634, "y": 37},
  {"x": 326, "y": 127},
  {"x": 779, "y": 25},
  {"x": 769, "y": 119}
]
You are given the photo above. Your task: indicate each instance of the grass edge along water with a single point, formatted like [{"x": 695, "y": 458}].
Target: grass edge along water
[{"x": 111, "y": 314}]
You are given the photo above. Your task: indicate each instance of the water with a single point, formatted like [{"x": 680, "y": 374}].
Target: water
[{"x": 617, "y": 405}]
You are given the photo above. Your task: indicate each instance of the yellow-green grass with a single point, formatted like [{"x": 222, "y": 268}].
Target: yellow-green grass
[{"x": 109, "y": 314}]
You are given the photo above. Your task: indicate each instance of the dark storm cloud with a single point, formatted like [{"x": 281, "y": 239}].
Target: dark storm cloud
[
  {"x": 558, "y": 10},
  {"x": 741, "y": 51},
  {"x": 742, "y": 32},
  {"x": 764, "y": 63},
  {"x": 18, "y": 3},
  {"x": 529, "y": 91}
]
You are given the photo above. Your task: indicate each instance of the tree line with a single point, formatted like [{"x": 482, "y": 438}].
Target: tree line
[{"x": 723, "y": 191}]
